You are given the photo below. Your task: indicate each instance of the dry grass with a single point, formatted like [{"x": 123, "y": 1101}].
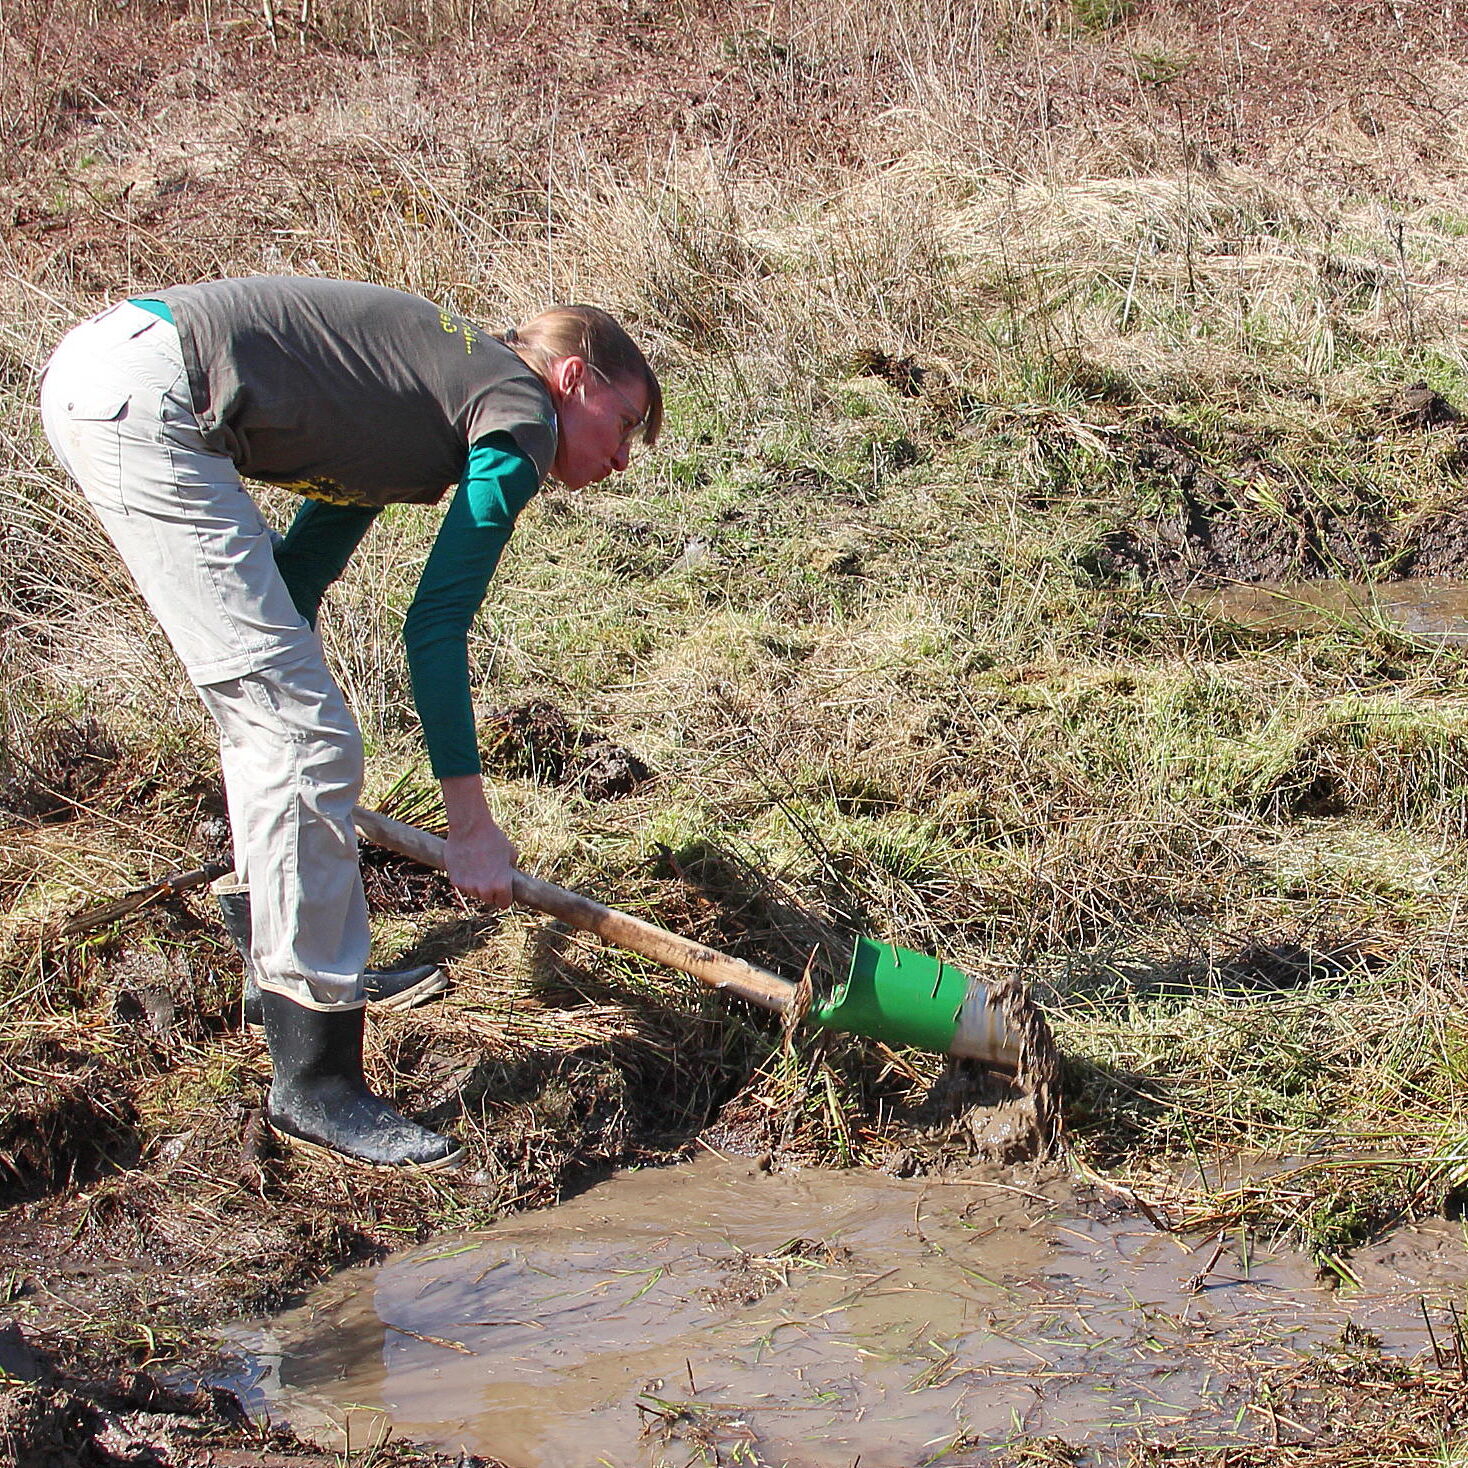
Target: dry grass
[{"x": 945, "y": 301}]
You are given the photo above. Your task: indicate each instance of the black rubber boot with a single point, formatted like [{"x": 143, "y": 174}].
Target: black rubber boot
[
  {"x": 234, "y": 908},
  {"x": 319, "y": 1101},
  {"x": 388, "y": 988}
]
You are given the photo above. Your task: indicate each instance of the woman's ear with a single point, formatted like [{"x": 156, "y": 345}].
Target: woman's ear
[{"x": 567, "y": 374}]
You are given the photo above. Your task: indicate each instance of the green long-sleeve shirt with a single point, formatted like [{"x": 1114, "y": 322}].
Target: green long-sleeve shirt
[{"x": 498, "y": 482}]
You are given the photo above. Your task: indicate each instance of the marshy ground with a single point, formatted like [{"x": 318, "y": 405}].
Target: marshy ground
[{"x": 992, "y": 334}]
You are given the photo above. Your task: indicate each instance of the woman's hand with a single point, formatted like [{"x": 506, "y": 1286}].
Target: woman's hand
[{"x": 479, "y": 857}]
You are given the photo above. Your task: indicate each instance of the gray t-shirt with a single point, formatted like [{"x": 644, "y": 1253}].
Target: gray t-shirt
[{"x": 351, "y": 393}]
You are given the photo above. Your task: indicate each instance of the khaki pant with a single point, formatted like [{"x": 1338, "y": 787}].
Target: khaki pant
[{"x": 116, "y": 406}]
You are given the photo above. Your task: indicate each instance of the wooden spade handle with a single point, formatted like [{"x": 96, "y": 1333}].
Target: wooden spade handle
[{"x": 717, "y": 970}]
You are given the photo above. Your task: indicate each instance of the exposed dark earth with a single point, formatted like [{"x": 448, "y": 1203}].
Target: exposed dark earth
[{"x": 1234, "y": 514}]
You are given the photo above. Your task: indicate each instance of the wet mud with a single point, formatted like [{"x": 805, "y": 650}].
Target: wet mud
[
  {"x": 75, "y": 1414},
  {"x": 811, "y": 1319},
  {"x": 1232, "y": 513},
  {"x": 537, "y": 742},
  {"x": 144, "y": 1202}
]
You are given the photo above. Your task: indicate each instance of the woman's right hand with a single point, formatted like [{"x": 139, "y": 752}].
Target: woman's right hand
[{"x": 478, "y": 856}]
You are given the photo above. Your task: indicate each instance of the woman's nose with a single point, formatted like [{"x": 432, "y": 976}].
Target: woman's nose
[{"x": 621, "y": 458}]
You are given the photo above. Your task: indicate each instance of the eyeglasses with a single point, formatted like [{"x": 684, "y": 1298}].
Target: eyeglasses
[{"x": 632, "y": 419}]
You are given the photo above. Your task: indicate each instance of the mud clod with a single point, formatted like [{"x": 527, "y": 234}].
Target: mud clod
[
  {"x": 64, "y": 763},
  {"x": 1438, "y": 544},
  {"x": 1233, "y": 517},
  {"x": 1421, "y": 408},
  {"x": 903, "y": 373},
  {"x": 537, "y": 742},
  {"x": 607, "y": 771},
  {"x": 65, "y": 1116}
]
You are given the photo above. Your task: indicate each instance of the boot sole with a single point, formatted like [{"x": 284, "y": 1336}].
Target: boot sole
[
  {"x": 317, "y": 1152},
  {"x": 425, "y": 989}
]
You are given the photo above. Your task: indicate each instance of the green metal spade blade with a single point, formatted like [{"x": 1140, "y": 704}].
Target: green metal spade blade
[{"x": 905, "y": 998}]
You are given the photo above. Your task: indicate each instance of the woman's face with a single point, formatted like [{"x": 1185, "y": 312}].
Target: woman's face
[{"x": 596, "y": 421}]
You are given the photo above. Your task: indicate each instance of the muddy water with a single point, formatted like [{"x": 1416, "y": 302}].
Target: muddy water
[
  {"x": 1436, "y": 611},
  {"x": 813, "y": 1318}
]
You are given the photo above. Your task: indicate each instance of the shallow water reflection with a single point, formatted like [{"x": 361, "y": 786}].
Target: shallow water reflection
[
  {"x": 813, "y": 1317},
  {"x": 1436, "y": 611}
]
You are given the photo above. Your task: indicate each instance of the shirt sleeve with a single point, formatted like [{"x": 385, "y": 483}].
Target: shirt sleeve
[
  {"x": 315, "y": 550},
  {"x": 499, "y": 481}
]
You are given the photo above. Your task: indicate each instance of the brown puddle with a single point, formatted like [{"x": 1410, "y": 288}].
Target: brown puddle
[
  {"x": 1436, "y": 611},
  {"x": 814, "y": 1317}
]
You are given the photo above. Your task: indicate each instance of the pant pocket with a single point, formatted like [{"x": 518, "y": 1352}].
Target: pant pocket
[{"x": 92, "y": 425}]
